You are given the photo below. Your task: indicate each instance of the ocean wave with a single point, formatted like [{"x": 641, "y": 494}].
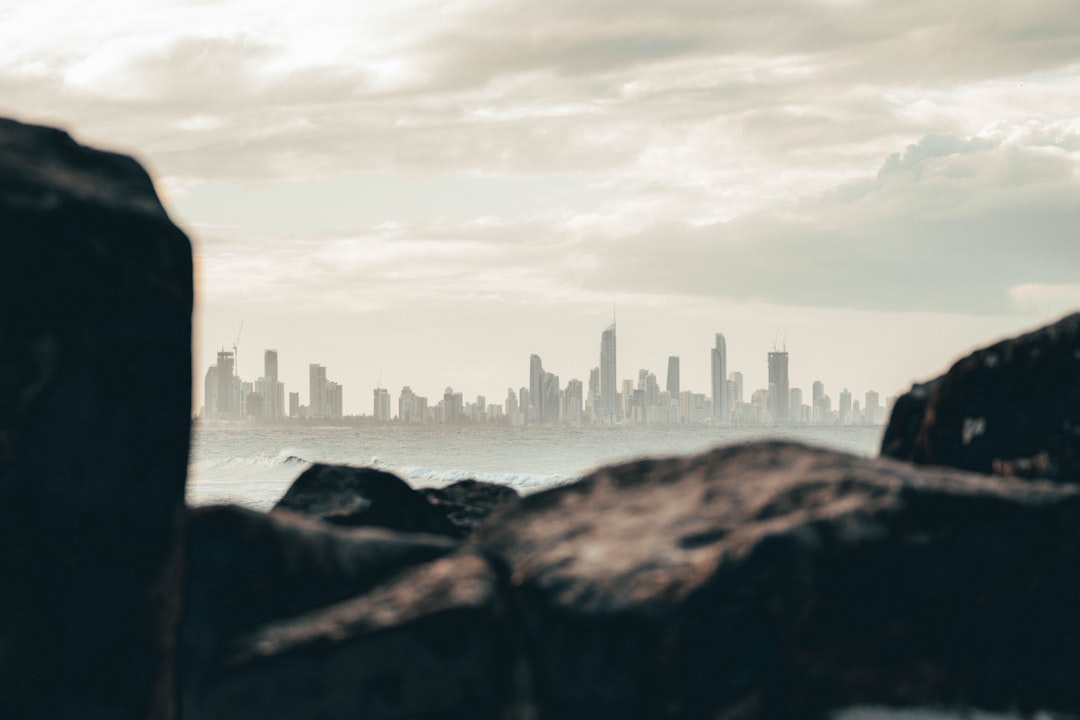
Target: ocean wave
[
  {"x": 524, "y": 482},
  {"x": 287, "y": 464}
]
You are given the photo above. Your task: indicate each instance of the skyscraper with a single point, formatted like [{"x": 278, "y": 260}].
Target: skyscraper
[
  {"x": 817, "y": 412},
  {"x": 778, "y": 379},
  {"x": 549, "y": 407},
  {"x": 573, "y": 402},
  {"x": 673, "y": 375},
  {"x": 317, "y": 405},
  {"x": 718, "y": 357},
  {"x": 609, "y": 399},
  {"x": 536, "y": 389},
  {"x": 381, "y": 408},
  {"x": 228, "y": 404},
  {"x": 274, "y": 397}
]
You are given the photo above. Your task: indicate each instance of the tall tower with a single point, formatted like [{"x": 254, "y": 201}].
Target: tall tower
[
  {"x": 535, "y": 411},
  {"x": 778, "y": 387},
  {"x": 317, "y": 400},
  {"x": 721, "y": 402},
  {"x": 609, "y": 397},
  {"x": 274, "y": 401},
  {"x": 226, "y": 379},
  {"x": 673, "y": 376}
]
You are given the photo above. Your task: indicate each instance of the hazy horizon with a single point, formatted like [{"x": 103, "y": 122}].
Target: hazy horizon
[{"x": 427, "y": 193}]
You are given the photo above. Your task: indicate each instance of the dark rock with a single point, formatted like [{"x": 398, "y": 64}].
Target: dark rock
[
  {"x": 95, "y": 404},
  {"x": 779, "y": 581},
  {"x": 1011, "y": 409},
  {"x": 467, "y": 503},
  {"x": 434, "y": 643},
  {"x": 360, "y": 496},
  {"x": 907, "y": 416},
  {"x": 248, "y": 568}
]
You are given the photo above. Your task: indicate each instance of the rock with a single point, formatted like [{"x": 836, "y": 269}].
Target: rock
[
  {"x": 358, "y": 496},
  {"x": 907, "y": 415},
  {"x": 779, "y": 581},
  {"x": 467, "y": 503},
  {"x": 249, "y": 568},
  {"x": 95, "y": 404},
  {"x": 434, "y": 643},
  {"x": 1011, "y": 409}
]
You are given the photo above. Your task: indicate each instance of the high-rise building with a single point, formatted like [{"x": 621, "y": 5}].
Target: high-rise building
[
  {"x": 673, "y": 375},
  {"x": 332, "y": 406},
  {"x": 274, "y": 399},
  {"x": 317, "y": 391},
  {"x": 549, "y": 407},
  {"x": 210, "y": 392},
  {"x": 382, "y": 405},
  {"x": 453, "y": 406},
  {"x": 795, "y": 405},
  {"x": 845, "y": 407},
  {"x": 228, "y": 405},
  {"x": 818, "y": 396},
  {"x": 511, "y": 406},
  {"x": 652, "y": 390},
  {"x": 718, "y": 363},
  {"x": 873, "y": 409},
  {"x": 407, "y": 407},
  {"x": 592, "y": 400},
  {"x": 609, "y": 401},
  {"x": 574, "y": 402},
  {"x": 294, "y": 404},
  {"x": 736, "y": 379},
  {"x": 536, "y": 389},
  {"x": 778, "y": 379}
]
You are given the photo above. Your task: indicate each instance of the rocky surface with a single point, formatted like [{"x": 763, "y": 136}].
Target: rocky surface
[
  {"x": 779, "y": 581},
  {"x": 1012, "y": 408},
  {"x": 467, "y": 503},
  {"x": 434, "y": 643},
  {"x": 250, "y": 568},
  {"x": 360, "y": 496},
  {"x": 95, "y": 384}
]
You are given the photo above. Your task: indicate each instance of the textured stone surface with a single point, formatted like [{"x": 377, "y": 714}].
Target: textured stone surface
[
  {"x": 467, "y": 503},
  {"x": 433, "y": 643},
  {"x": 1012, "y": 409},
  {"x": 95, "y": 385},
  {"x": 249, "y": 568},
  {"x": 359, "y": 496},
  {"x": 779, "y": 581}
]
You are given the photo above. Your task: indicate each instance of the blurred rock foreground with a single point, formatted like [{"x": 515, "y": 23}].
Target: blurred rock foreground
[{"x": 769, "y": 580}]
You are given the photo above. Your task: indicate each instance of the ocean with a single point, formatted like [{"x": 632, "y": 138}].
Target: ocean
[{"x": 253, "y": 465}]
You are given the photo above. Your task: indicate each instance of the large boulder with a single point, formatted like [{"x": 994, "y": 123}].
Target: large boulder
[
  {"x": 779, "y": 581},
  {"x": 249, "y": 568},
  {"x": 467, "y": 503},
  {"x": 433, "y": 643},
  {"x": 1012, "y": 408},
  {"x": 362, "y": 496},
  {"x": 95, "y": 406}
]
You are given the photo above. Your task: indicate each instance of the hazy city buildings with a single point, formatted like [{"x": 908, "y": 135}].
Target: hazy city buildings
[{"x": 641, "y": 400}]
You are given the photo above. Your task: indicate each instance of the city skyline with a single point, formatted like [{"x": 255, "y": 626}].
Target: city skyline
[{"x": 543, "y": 399}]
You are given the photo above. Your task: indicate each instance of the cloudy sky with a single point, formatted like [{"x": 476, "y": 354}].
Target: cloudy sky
[{"x": 425, "y": 192}]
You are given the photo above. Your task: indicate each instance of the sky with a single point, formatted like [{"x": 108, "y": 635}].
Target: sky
[{"x": 425, "y": 193}]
